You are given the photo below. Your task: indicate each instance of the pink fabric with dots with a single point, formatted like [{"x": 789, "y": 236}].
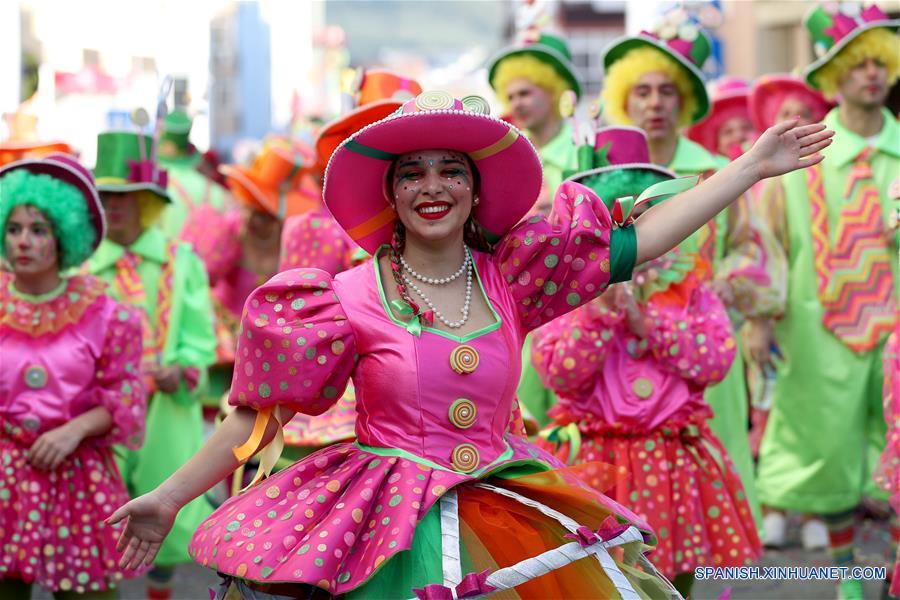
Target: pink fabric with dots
[
  {"x": 597, "y": 365},
  {"x": 639, "y": 406},
  {"x": 305, "y": 334},
  {"x": 314, "y": 239},
  {"x": 51, "y": 523}
]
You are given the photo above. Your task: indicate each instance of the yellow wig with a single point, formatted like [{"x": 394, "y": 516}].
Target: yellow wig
[
  {"x": 151, "y": 207},
  {"x": 528, "y": 67},
  {"x": 624, "y": 74},
  {"x": 881, "y": 44}
]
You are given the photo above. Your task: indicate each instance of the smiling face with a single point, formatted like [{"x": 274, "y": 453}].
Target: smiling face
[
  {"x": 31, "y": 246},
  {"x": 865, "y": 85},
  {"x": 432, "y": 193},
  {"x": 530, "y": 104},
  {"x": 653, "y": 104}
]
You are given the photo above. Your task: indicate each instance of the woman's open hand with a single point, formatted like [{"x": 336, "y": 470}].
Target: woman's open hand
[
  {"x": 786, "y": 147},
  {"x": 149, "y": 519}
]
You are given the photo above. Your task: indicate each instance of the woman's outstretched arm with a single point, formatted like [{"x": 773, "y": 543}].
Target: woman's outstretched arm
[
  {"x": 150, "y": 517},
  {"x": 782, "y": 148}
]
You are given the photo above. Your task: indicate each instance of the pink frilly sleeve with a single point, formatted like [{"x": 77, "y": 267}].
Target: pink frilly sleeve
[
  {"x": 315, "y": 240},
  {"x": 296, "y": 348},
  {"x": 553, "y": 265},
  {"x": 119, "y": 387},
  {"x": 214, "y": 237},
  {"x": 695, "y": 342},
  {"x": 568, "y": 353}
]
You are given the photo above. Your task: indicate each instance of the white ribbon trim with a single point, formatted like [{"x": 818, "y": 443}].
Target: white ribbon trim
[{"x": 450, "y": 553}]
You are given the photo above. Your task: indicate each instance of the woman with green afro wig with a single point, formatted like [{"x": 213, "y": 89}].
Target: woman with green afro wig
[
  {"x": 70, "y": 387},
  {"x": 61, "y": 203}
]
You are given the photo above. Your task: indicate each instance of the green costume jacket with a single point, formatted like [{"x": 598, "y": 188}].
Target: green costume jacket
[
  {"x": 174, "y": 421},
  {"x": 826, "y": 428}
]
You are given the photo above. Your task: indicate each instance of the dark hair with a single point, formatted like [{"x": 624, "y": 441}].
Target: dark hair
[{"x": 473, "y": 236}]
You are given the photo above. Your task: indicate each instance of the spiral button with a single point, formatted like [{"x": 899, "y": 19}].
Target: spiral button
[
  {"x": 463, "y": 413},
  {"x": 465, "y": 458},
  {"x": 464, "y": 359}
]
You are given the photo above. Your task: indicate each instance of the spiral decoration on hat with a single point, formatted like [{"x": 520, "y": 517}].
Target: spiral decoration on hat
[
  {"x": 464, "y": 359},
  {"x": 476, "y": 104},
  {"x": 434, "y": 100},
  {"x": 465, "y": 458},
  {"x": 463, "y": 413}
]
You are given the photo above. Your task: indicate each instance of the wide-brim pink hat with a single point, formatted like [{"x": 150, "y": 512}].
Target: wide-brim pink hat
[
  {"x": 729, "y": 100},
  {"x": 508, "y": 165},
  {"x": 770, "y": 91},
  {"x": 66, "y": 168}
]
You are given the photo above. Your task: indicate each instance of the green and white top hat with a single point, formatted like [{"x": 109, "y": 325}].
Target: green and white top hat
[
  {"x": 833, "y": 25},
  {"x": 678, "y": 38},
  {"x": 547, "y": 48},
  {"x": 125, "y": 164}
]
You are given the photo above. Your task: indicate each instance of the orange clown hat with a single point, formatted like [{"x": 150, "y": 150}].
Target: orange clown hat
[
  {"x": 378, "y": 93},
  {"x": 273, "y": 182}
]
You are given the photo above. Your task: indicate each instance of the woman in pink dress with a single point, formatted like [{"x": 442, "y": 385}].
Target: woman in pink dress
[
  {"x": 69, "y": 387},
  {"x": 630, "y": 369},
  {"x": 437, "y": 497}
]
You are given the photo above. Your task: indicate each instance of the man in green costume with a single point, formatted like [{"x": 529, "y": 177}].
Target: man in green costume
[
  {"x": 188, "y": 186},
  {"x": 166, "y": 281},
  {"x": 826, "y": 428},
  {"x": 529, "y": 79},
  {"x": 653, "y": 82}
]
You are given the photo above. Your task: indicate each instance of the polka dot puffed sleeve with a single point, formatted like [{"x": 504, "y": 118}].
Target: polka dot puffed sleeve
[
  {"x": 296, "y": 347},
  {"x": 556, "y": 264},
  {"x": 118, "y": 386}
]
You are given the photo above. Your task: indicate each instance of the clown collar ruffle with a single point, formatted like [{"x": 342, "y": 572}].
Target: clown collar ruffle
[{"x": 49, "y": 313}]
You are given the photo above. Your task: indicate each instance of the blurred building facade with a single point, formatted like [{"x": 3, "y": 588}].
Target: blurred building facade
[{"x": 240, "y": 101}]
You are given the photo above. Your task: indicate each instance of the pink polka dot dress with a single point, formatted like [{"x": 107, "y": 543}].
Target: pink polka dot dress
[
  {"x": 63, "y": 354},
  {"x": 635, "y": 401},
  {"x": 437, "y": 494}
]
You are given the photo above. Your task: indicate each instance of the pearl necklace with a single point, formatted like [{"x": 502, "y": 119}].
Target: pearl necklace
[
  {"x": 467, "y": 267},
  {"x": 439, "y": 280}
]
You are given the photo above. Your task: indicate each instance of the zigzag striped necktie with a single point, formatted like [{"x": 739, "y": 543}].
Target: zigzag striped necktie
[{"x": 855, "y": 282}]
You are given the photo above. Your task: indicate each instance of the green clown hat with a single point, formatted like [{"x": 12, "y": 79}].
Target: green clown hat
[
  {"x": 681, "y": 40},
  {"x": 833, "y": 26},
  {"x": 123, "y": 166},
  {"x": 548, "y": 49},
  {"x": 176, "y": 130}
]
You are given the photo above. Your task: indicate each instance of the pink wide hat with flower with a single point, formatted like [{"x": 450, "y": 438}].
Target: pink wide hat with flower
[
  {"x": 769, "y": 93},
  {"x": 730, "y": 96},
  {"x": 508, "y": 165}
]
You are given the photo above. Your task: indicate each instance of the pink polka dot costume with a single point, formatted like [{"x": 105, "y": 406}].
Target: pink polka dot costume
[
  {"x": 433, "y": 411},
  {"x": 65, "y": 353},
  {"x": 637, "y": 403}
]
